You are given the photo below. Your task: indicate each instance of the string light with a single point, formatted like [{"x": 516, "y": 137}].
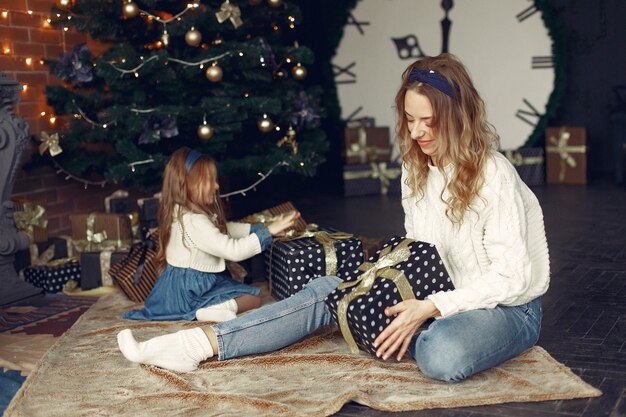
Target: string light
[
  {"x": 70, "y": 176},
  {"x": 255, "y": 184},
  {"x": 90, "y": 121}
]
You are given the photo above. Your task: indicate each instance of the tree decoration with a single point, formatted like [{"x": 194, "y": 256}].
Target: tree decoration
[
  {"x": 193, "y": 37},
  {"x": 275, "y": 3},
  {"x": 299, "y": 72},
  {"x": 155, "y": 129},
  {"x": 265, "y": 124},
  {"x": 305, "y": 114},
  {"x": 130, "y": 9},
  {"x": 214, "y": 73},
  {"x": 289, "y": 139},
  {"x": 75, "y": 66},
  {"x": 165, "y": 38},
  {"x": 49, "y": 143},
  {"x": 64, "y": 4},
  {"x": 229, "y": 11},
  {"x": 205, "y": 130}
]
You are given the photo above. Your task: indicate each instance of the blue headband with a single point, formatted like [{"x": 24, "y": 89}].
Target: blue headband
[
  {"x": 192, "y": 157},
  {"x": 434, "y": 79}
]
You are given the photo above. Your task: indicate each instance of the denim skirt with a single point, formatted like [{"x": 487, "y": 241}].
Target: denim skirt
[{"x": 179, "y": 292}]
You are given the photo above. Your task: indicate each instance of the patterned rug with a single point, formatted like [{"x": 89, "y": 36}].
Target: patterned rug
[{"x": 49, "y": 314}]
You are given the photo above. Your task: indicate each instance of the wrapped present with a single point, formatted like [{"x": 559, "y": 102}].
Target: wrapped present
[
  {"x": 43, "y": 252},
  {"x": 566, "y": 155},
  {"x": 403, "y": 269},
  {"x": 366, "y": 144},
  {"x": 269, "y": 215},
  {"x": 118, "y": 202},
  {"x": 294, "y": 261},
  {"x": 529, "y": 163},
  {"x": 30, "y": 218},
  {"x": 53, "y": 276},
  {"x": 138, "y": 271},
  {"x": 374, "y": 178},
  {"x": 95, "y": 266},
  {"x": 148, "y": 211},
  {"x": 99, "y": 231}
]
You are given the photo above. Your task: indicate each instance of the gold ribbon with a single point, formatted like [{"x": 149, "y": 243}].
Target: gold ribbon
[
  {"x": 50, "y": 143},
  {"x": 378, "y": 171},
  {"x": 360, "y": 149},
  {"x": 517, "y": 159},
  {"x": 37, "y": 259},
  {"x": 382, "y": 268},
  {"x": 30, "y": 216},
  {"x": 94, "y": 241},
  {"x": 229, "y": 11},
  {"x": 560, "y": 146}
]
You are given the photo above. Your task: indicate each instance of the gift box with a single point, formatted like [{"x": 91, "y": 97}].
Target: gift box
[
  {"x": 269, "y": 215},
  {"x": 403, "y": 269},
  {"x": 566, "y": 155},
  {"x": 292, "y": 262},
  {"x": 366, "y": 144},
  {"x": 137, "y": 272},
  {"x": 43, "y": 252},
  {"x": 52, "y": 276},
  {"x": 529, "y": 163},
  {"x": 374, "y": 178},
  {"x": 30, "y": 218},
  {"x": 118, "y": 202},
  {"x": 97, "y": 231},
  {"x": 148, "y": 211},
  {"x": 95, "y": 266}
]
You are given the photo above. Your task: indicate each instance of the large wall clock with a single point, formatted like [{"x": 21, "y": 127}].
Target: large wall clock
[{"x": 504, "y": 44}]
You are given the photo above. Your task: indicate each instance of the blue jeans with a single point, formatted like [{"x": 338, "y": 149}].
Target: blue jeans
[{"x": 450, "y": 349}]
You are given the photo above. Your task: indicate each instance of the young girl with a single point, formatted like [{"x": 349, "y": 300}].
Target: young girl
[
  {"x": 457, "y": 193},
  {"x": 195, "y": 241}
]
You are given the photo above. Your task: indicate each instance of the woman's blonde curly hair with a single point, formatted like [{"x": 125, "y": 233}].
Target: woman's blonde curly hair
[{"x": 459, "y": 124}]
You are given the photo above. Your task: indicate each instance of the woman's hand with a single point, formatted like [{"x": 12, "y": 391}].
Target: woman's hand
[
  {"x": 411, "y": 315},
  {"x": 282, "y": 222}
]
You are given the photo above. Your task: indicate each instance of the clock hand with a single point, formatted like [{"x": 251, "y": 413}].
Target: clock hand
[{"x": 446, "y": 24}]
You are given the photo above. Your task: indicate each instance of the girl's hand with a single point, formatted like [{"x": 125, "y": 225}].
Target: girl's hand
[
  {"x": 282, "y": 223},
  {"x": 411, "y": 315}
]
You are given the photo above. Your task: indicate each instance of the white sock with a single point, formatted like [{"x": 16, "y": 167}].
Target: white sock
[
  {"x": 218, "y": 313},
  {"x": 181, "y": 351}
]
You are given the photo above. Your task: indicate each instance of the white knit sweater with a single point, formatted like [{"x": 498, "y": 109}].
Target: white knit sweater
[
  {"x": 498, "y": 255},
  {"x": 198, "y": 244}
]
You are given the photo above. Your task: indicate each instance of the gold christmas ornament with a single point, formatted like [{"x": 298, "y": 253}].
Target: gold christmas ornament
[
  {"x": 49, "y": 143},
  {"x": 129, "y": 9},
  {"x": 299, "y": 72},
  {"x": 275, "y": 3},
  {"x": 205, "y": 131},
  {"x": 229, "y": 11},
  {"x": 254, "y": 2},
  {"x": 214, "y": 73},
  {"x": 289, "y": 139},
  {"x": 265, "y": 124},
  {"x": 193, "y": 37}
]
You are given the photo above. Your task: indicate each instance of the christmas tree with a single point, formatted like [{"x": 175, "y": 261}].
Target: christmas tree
[{"x": 227, "y": 78}]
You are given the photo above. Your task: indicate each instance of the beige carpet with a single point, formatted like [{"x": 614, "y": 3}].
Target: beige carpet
[{"x": 84, "y": 374}]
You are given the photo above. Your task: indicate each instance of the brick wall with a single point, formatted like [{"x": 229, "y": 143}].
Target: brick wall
[{"x": 26, "y": 39}]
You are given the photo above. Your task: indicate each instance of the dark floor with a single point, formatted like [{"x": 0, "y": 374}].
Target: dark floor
[{"x": 584, "y": 309}]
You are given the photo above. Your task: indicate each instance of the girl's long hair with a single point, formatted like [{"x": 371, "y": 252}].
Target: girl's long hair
[
  {"x": 184, "y": 190},
  {"x": 459, "y": 125}
]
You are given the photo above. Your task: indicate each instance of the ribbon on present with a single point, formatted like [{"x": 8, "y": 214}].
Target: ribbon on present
[
  {"x": 382, "y": 269},
  {"x": 560, "y": 146},
  {"x": 229, "y": 11},
  {"x": 380, "y": 171},
  {"x": 359, "y": 149},
  {"x": 95, "y": 241},
  {"x": 49, "y": 143},
  {"x": 30, "y": 216},
  {"x": 38, "y": 260},
  {"x": 517, "y": 159},
  {"x": 323, "y": 237}
]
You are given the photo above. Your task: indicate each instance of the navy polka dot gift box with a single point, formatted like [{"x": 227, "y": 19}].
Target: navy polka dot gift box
[
  {"x": 293, "y": 263},
  {"x": 52, "y": 277},
  {"x": 403, "y": 269}
]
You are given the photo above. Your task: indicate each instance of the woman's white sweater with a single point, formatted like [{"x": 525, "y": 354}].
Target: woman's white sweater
[{"x": 498, "y": 255}]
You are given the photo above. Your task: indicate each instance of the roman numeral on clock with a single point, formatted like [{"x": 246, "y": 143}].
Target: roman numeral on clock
[
  {"x": 526, "y": 13},
  {"x": 525, "y": 115},
  {"x": 541, "y": 62}
]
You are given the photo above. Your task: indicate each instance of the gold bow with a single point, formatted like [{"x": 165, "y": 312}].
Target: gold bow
[
  {"x": 50, "y": 143},
  {"x": 31, "y": 216},
  {"x": 378, "y": 171},
  {"x": 560, "y": 146},
  {"x": 229, "y": 11},
  {"x": 37, "y": 259},
  {"x": 95, "y": 241},
  {"x": 517, "y": 159},
  {"x": 382, "y": 268}
]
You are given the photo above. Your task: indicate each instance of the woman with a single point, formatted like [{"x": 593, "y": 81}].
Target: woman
[{"x": 459, "y": 194}]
